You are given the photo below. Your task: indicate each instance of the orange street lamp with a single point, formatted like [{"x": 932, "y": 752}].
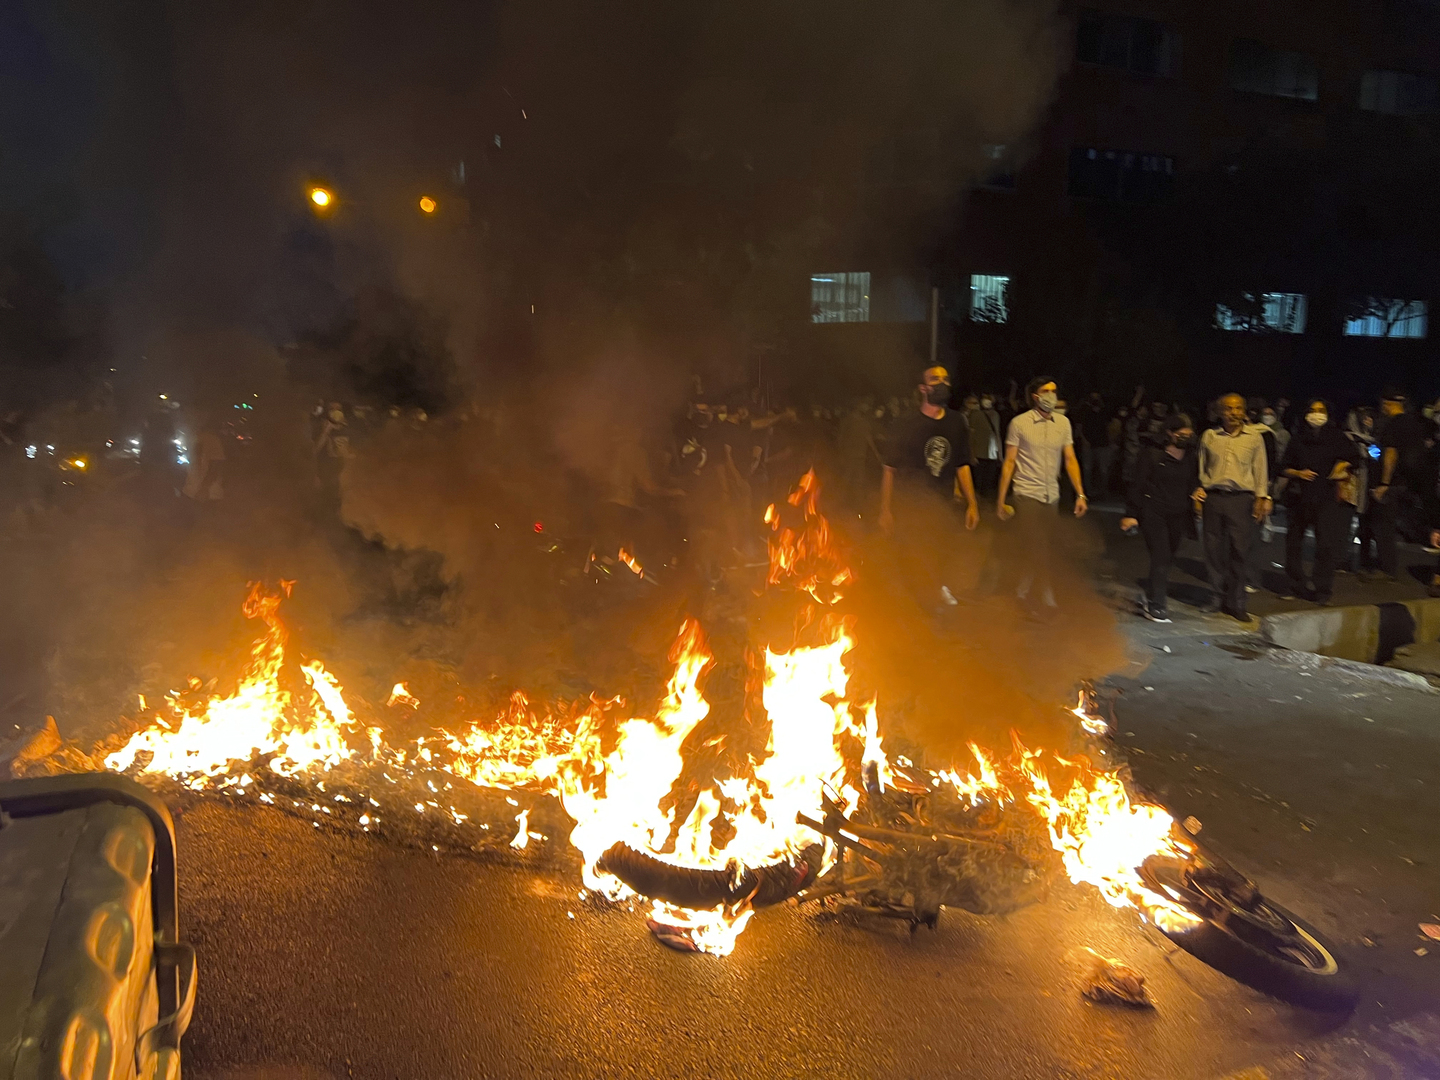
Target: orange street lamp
[
  {"x": 427, "y": 204},
  {"x": 321, "y": 197}
]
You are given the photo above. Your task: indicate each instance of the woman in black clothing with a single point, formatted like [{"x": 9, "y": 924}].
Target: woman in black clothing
[
  {"x": 1317, "y": 462},
  {"x": 1158, "y": 500}
]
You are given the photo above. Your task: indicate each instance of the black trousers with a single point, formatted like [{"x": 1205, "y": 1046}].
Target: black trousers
[
  {"x": 986, "y": 472},
  {"x": 1162, "y": 533},
  {"x": 1330, "y": 520},
  {"x": 1036, "y": 524},
  {"x": 1229, "y": 535},
  {"x": 1377, "y": 525}
]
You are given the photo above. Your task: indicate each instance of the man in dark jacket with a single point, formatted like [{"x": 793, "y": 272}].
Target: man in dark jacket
[
  {"x": 1159, "y": 501},
  {"x": 1317, "y": 460}
]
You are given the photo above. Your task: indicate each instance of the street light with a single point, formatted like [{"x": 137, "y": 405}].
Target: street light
[
  {"x": 427, "y": 204},
  {"x": 321, "y": 197}
]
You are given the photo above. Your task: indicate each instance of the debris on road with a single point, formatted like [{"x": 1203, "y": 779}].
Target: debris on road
[
  {"x": 45, "y": 752},
  {"x": 1112, "y": 983}
]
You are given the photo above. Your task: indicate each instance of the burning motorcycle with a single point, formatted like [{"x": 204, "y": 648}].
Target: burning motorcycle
[
  {"x": 919, "y": 843},
  {"x": 757, "y": 782}
]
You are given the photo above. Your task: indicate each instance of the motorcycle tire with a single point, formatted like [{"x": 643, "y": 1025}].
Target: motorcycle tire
[
  {"x": 1319, "y": 980},
  {"x": 701, "y": 889}
]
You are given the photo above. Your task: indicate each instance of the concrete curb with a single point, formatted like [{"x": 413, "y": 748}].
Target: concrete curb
[
  {"x": 1368, "y": 634},
  {"x": 1406, "y": 680}
]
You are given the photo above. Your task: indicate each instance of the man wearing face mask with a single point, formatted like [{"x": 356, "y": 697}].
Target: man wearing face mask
[
  {"x": 1159, "y": 503},
  {"x": 1234, "y": 491},
  {"x": 1271, "y": 419},
  {"x": 985, "y": 437},
  {"x": 1037, "y": 443},
  {"x": 927, "y": 453},
  {"x": 1402, "y": 439},
  {"x": 1318, "y": 459}
]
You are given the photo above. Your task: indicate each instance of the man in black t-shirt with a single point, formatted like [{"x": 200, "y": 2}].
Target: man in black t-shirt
[
  {"x": 927, "y": 455},
  {"x": 1402, "y": 444},
  {"x": 929, "y": 451}
]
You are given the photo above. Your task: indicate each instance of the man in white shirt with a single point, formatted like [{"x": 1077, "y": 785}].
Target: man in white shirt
[{"x": 1037, "y": 444}]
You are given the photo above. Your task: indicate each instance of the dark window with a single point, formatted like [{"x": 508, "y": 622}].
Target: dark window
[
  {"x": 1133, "y": 44},
  {"x": 999, "y": 168},
  {"x": 1399, "y": 94},
  {"x": 1263, "y": 70},
  {"x": 1119, "y": 174}
]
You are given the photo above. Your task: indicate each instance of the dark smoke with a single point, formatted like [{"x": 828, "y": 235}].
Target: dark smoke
[{"x": 629, "y": 194}]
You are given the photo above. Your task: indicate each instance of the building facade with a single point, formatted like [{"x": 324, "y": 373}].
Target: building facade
[{"x": 1044, "y": 266}]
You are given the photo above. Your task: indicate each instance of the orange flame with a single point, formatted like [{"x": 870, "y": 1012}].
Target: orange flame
[{"x": 617, "y": 776}]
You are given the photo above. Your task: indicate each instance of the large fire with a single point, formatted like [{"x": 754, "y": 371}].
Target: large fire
[{"x": 617, "y": 776}]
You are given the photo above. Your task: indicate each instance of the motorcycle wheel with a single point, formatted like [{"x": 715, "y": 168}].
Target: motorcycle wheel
[
  {"x": 1264, "y": 946},
  {"x": 686, "y": 887}
]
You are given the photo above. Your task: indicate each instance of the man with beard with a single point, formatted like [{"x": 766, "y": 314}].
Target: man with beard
[{"x": 928, "y": 453}]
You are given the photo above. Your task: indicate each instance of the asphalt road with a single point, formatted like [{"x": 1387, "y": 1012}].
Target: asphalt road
[{"x": 326, "y": 953}]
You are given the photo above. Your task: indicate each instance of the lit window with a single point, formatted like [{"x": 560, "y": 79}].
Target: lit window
[
  {"x": 840, "y": 297},
  {"x": 1263, "y": 70},
  {"x": 990, "y": 298},
  {"x": 1132, "y": 44},
  {"x": 1271, "y": 312},
  {"x": 1378, "y": 317},
  {"x": 1397, "y": 93}
]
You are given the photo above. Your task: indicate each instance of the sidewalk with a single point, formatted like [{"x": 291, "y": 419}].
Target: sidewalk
[{"x": 1126, "y": 565}]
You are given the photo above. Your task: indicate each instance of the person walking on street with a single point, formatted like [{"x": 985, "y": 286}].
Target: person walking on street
[
  {"x": 1318, "y": 461},
  {"x": 1037, "y": 443},
  {"x": 1234, "y": 492},
  {"x": 1159, "y": 503},
  {"x": 927, "y": 454},
  {"x": 1095, "y": 453},
  {"x": 985, "y": 438},
  {"x": 1401, "y": 437}
]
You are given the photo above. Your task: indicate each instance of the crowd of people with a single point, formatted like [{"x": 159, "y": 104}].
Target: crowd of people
[
  {"x": 1231, "y": 472},
  {"x": 1373, "y": 476},
  {"x": 929, "y": 465}
]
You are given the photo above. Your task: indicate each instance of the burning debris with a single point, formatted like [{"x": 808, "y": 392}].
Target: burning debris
[
  {"x": 1112, "y": 983},
  {"x": 662, "y": 807}
]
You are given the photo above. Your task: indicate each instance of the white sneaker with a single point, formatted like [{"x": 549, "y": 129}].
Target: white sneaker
[
  {"x": 947, "y": 596},
  {"x": 1251, "y": 589}
]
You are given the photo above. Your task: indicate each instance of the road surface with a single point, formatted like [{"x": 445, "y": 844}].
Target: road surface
[{"x": 326, "y": 953}]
